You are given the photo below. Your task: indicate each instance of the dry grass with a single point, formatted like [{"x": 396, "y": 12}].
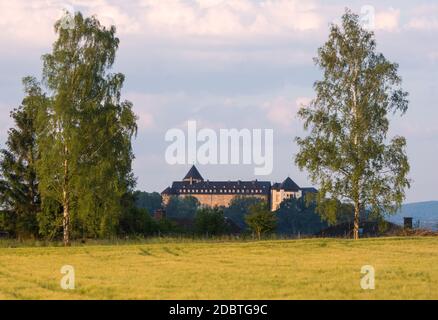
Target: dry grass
[{"x": 406, "y": 268}]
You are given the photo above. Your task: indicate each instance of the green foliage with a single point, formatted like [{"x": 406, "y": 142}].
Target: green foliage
[
  {"x": 165, "y": 226},
  {"x": 335, "y": 211},
  {"x": 85, "y": 131},
  {"x": 19, "y": 196},
  {"x": 149, "y": 201},
  {"x": 210, "y": 221},
  {"x": 182, "y": 207},
  {"x": 238, "y": 208},
  {"x": 260, "y": 219},
  {"x": 347, "y": 153},
  {"x": 135, "y": 220},
  {"x": 50, "y": 219},
  {"x": 297, "y": 217}
]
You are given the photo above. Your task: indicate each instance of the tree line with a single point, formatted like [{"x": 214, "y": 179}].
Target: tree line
[{"x": 66, "y": 169}]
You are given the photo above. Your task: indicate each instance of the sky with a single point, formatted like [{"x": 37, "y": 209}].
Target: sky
[{"x": 232, "y": 64}]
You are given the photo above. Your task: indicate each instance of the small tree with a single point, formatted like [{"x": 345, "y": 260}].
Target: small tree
[
  {"x": 238, "y": 208},
  {"x": 260, "y": 219},
  {"x": 210, "y": 221},
  {"x": 19, "y": 196},
  {"x": 347, "y": 153}
]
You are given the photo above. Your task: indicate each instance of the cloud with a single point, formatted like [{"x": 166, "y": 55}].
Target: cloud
[
  {"x": 29, "y": 21},
  {"x": 32, "y": 21},
  {"x": 146, "y": 107},
  {"x": 423, "y": 23},
  {"x": 424, "y": 18},
  {"x": 282, "y": 111},
  {"x": 387, "y": 20},
  {"x": 230, "y": 18},
  {"x": 145, "y": 120}
]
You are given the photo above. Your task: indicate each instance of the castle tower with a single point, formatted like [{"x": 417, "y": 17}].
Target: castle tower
[
  {"x": 285, "y": 190},
  {"x": 193, "y": 176}
]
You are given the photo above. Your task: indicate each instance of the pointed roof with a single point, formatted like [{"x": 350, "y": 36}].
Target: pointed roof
[
  {"x": 193, "y": 174},
  {"x": 289, "y": 185}
]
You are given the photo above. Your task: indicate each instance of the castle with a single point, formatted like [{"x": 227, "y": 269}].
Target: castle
[{"x": 220, "y": 193}]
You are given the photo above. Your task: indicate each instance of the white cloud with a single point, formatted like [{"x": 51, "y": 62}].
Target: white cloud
[
  {"x": 32, "y": 21},
  {"x": 145, "y": 119},
  {"x": 423, "y": 23},
  {"x": 282, "y": 111},
  {"x": 424, "y": 18},
  {"x": 388, "y": 20},
  {"x": 27, "y": 21},
  {"x": 145, "y": 106}
]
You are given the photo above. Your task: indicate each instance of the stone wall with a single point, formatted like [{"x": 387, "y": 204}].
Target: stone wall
[{"x": 221, "y": 199}]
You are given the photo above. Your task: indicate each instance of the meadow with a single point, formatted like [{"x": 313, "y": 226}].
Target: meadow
[{"x": 405, "y": 268}]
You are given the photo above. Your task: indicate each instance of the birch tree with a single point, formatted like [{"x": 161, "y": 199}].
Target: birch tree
[
  {"x": 348, "y": 152},
  {"x": 84, "y": 134}
]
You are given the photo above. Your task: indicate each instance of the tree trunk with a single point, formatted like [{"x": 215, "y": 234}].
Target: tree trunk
[
  {"x": 356, "y": 182},
  {"x": 356, "y": 220},
  {"x": 66, "y": 221},
  {"x": 66, "y": 202}
]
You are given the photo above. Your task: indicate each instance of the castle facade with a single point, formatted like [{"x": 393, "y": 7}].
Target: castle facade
[{"x": 221, "y": 193}]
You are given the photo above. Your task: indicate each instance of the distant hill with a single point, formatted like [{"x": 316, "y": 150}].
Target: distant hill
[{"x": 424, "y": 212}]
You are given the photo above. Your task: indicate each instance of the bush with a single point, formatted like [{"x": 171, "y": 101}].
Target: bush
[
  {"x": 260, "y": 219},
  {"x": 210, "y": 221},
  {"x": 238, "y": 209}
]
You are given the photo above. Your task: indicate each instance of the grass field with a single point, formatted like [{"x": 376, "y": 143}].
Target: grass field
[{"x": 406, "y": 268}]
